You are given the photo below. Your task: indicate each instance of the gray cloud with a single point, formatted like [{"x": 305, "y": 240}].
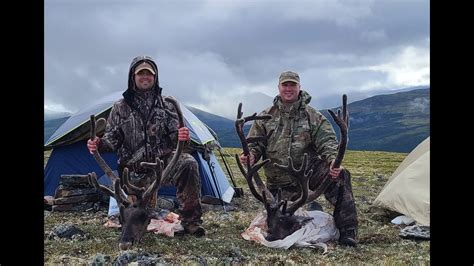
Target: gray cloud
[{"x": 211, "y": 53}]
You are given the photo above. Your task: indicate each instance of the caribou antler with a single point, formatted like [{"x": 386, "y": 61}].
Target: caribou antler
[
  {"x": 343, "y": 122},
  {"x": 116, "y": 182},
  {"x": 301, "y": 176},
  {"x": 117, "y": 193},
  {"x": 281, "y": 220},
  {"x": 140, "y": 192},
  {"x": 252, "y": 171},
  {"x": 158, "y": 165},
  {"x": 129, "y": 188},
  {"x": 135, "y": 217}
]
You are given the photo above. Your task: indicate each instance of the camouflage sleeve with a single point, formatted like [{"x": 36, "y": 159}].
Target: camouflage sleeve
[
  {"x": 324, "y": 138},
  {"x": 257, "y": 129},
  {"x": 113, "y": 137}
]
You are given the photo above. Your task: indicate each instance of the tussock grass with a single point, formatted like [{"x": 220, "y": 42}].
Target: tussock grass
[{"x": 379, "y": 242}]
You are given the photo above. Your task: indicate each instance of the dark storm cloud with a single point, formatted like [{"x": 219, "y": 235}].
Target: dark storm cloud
[{"x": 222, "y": 50}]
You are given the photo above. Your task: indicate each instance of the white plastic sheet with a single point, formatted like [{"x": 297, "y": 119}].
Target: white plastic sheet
[{"x": 314, "y": 234}]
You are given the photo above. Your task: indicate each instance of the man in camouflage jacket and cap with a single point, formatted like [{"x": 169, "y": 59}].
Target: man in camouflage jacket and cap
[
  {"x": 298, "y": 129},
  {"x": 142, "y": 127}
]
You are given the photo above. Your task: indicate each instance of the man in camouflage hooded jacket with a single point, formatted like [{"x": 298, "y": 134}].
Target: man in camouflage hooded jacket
[
  {"x": 142, "y": 127},
  {"x": 298, "y": 129}
]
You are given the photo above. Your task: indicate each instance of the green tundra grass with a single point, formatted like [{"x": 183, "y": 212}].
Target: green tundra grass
[{"x": 378, "y": 240}]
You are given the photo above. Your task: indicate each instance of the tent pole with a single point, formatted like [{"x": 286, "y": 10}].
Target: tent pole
[{"x": 238, "y": 191}]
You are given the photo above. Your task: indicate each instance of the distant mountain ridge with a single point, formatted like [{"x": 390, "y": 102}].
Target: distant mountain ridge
[{"x": 390, "y": 122}]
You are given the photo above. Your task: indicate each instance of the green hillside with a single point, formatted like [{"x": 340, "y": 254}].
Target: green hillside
[{"x": 394, "y": 122}]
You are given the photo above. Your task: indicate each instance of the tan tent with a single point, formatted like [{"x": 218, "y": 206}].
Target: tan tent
[{"x": 408, "y": 189}]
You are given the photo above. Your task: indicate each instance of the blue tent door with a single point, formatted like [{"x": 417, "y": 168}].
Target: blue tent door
[{"x": 207, "y": 180}]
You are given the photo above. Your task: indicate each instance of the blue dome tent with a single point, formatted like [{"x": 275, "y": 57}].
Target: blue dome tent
[{"x": 70, "y": 154}]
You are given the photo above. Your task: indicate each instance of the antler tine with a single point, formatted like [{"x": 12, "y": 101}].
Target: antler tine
[
  {"x": 251, "y": 117},
  {"x": 314, "y": 194},
  {"x": 261, "y": 185},
  {"x": 343, "y": 123},
  {"x": 157, "y": 168},
  {"x": 119, "y": 196},
  {"x": 239, "y": 111},
  {"x": 93, "y": 181},
  {"x": 248, "y": 176},
  {"x": 256, "y": 117},
  {"x": 302, "y": 177},
  {"x": 283, "y": 203},
  {"x": 239, "y": 124},
  {"x": 343, "y": 127},
  {"x": 280, "y": 203},
  {"x": 174, "y": 159},
  {"x": 130, "y": 189},
  {"x": 252, "y": 171}
]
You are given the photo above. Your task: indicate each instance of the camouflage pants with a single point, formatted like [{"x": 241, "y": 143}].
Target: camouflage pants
[
  {"x": 185, "y": 176},
  {"x": 339, "y": 194}
]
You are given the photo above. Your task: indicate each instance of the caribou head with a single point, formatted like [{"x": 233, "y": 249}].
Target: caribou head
[
  {"x": 134, "y": 216},
  {"x": 281, "y": 221}
]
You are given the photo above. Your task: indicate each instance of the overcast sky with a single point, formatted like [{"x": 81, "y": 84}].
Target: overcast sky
[{"x": 211, "y": 54}]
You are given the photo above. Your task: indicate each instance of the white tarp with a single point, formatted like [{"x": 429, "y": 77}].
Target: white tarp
[{"x": 314, "y": 234}]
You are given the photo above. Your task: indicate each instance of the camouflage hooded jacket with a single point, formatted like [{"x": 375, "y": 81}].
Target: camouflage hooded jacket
[
  {"x": 141, "y": 126},
  {"x": 298, "y": 129}
]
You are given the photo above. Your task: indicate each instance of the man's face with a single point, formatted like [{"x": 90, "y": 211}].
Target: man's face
[
  {"x": 144, "y": 80},
  {"x": 289, "y": 91}
]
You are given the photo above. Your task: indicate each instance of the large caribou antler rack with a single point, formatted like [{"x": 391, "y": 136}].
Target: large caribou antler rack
[
  {"x": 281, "y": 220},
  {"x": 143, "y": 193},
  {"x": 342, "y": 120}
]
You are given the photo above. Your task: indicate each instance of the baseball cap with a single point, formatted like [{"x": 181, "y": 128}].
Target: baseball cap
[
  {"x": 289, "y": 76},
  {"x": 144, "y": 65}
]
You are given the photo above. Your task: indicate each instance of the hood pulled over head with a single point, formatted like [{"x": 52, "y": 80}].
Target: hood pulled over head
[{"x": 137, "y": 62}]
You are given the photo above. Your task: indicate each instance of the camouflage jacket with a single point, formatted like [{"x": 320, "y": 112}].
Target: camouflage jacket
[
  {"x": 298, "y": 129},
  {"x": 141, "y": 131}
]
